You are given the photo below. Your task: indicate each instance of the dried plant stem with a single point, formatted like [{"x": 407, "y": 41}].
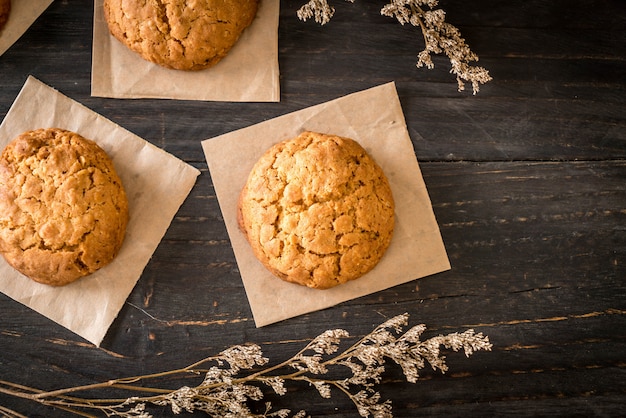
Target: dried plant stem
[
  {"x": 439, "y": 35},
  {"x": 225, "y": 390}
]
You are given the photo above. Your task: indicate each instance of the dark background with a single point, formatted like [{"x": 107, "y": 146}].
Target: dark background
[{"x": 527, "y": 181}]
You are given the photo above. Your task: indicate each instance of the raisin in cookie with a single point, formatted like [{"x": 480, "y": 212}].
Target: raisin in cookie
[
  {"x": 317, "y": 210},
  {"x": 63, "y": 209},
  {"x": 5, "y": 10},
  {"x": 180, "y": 34}
]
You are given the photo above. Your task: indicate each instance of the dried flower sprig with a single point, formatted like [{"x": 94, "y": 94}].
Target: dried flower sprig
[
  {"x": 224, "y": 388},
  {"x": 439, "y": 35}
]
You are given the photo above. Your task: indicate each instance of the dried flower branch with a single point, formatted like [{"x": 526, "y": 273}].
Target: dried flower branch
[
  {"x": 224, "y": 391},
  {"x": 439, "y": 36}
]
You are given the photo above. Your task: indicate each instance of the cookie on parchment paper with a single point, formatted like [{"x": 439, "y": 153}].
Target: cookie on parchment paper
[
  {"x": 317, "y": 210},
  {"x": 180, "y": 34},
  {"x": 63, "y": 208}
]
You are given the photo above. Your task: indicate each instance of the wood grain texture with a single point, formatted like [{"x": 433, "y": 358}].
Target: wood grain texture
[{"x": 527, "y": 181}]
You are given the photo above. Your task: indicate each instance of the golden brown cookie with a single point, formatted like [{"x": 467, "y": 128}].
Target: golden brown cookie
[
  {"x": 317, "y": 210},
  {"x": 5, "y": 10},
  {"x": 63, "y": 209},
  {"x": 177, "y": 33}
]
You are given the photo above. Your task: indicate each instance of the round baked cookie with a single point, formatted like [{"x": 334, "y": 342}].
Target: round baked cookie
[
  {"x": 180, "y": 34},
  {"x": 5, "y": 10},
  {"x": 63, "y": 209},
  {"x": 317, "y": 210}
]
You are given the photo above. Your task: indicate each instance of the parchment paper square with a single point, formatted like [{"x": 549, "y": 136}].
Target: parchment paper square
[
  {"x": 249, "y": 73},
  {"x": 375, "y": 119},
  {"x": 23, "y": 14},
  {"x": 156, "y": 184}
]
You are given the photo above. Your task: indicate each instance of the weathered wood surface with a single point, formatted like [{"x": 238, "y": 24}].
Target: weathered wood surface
[{"x": 527, "y": 180}]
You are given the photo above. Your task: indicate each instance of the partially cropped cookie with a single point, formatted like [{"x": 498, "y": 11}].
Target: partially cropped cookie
[
  {"x": 63, "y": 208},
  {"x": 317, "y": 210},
  {"x": 5, "y": 10},
  {"x": 180, "y": 34}
]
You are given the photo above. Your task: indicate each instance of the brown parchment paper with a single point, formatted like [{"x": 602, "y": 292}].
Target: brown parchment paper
[
  {"x": 375, "y": 119},
  {"x": 156, "y": 184},
  {"x": 23, "y": 14},
  {"x": 249, "y": 73}
]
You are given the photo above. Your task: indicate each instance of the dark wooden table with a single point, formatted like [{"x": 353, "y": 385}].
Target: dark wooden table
[{"x": 527, "y": 180}]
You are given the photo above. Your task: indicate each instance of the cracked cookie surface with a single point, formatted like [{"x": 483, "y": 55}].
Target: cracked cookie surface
[
  {"x": 5, "y": 10},
  {"x": 63, "y": 208},
  {"x": 180, "y": 34},
  {"x": 317, "y": 210}
]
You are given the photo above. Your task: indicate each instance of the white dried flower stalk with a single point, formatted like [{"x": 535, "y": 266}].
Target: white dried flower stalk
[
  {"x": 317, "y": 9},
  {"x": 243, "y": 357},
  {"x": 236, "y": 376},
  {"x": 277, "y": 384},
  {"x": 328, "y": 341},
  {"x": 439, "y": 36},
  {"x": 322, "y": 387}
]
